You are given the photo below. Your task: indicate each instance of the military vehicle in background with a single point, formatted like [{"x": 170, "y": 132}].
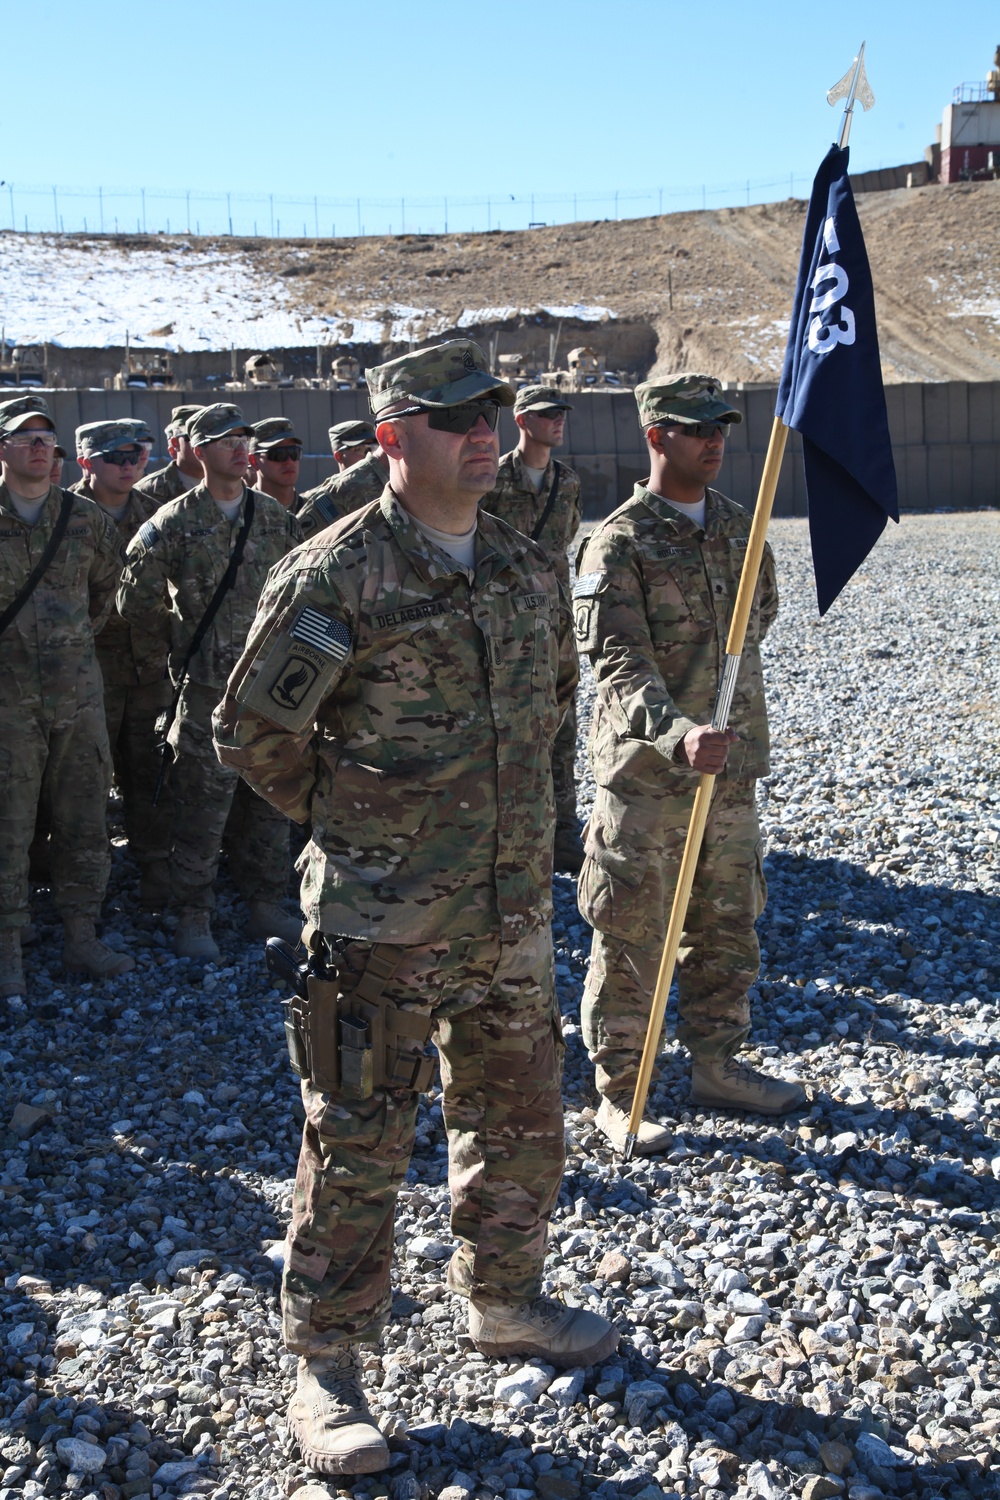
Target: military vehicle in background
[
  {"x": 23, "y": 364},
  {"x": 261, "y": 372},
  {"x": 145, "y": 371}
]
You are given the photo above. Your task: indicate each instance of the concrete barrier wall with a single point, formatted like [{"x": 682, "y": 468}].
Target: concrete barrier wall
[{"x": 946, "y": 438}]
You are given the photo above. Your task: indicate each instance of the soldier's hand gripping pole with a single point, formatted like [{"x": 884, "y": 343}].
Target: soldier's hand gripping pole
[{"x": 706, "y": 783}]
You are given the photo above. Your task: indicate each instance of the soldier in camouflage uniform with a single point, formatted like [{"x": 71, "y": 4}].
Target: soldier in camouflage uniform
[
  {"x": 654, "y": 596},
  {"x": 53, "y": 742},
  {"x": 346, "y": 491},
  {"x": 352, "y": 441},
  {"x": 183, "y": 471},
  {"x": 133, "y": 662},
  {"x": 402, "y": 685},
  {"x": 528, "y": 478},
  {"x": 187, "y": 545},
  {"x": 275, "y": 457}
]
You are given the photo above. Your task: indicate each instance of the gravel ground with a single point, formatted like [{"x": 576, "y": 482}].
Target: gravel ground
[{"x": 808, "y": 1307}]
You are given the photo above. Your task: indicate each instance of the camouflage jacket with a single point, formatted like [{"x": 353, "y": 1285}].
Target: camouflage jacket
[
  {"x": 47, "y": 653},
  {"x": 343, "y": 493},
  {"x": 410, "y": 713},
  {"x": 129, "y": 656},
  {"x": 515, "y": 500},
  {"x": 653, "y": 601},
  {"x": 174, "y": 563},
  {"x": 163, "y": 485}
]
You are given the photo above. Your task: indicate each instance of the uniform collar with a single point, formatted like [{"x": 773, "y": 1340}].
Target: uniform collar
[
  {"x": 428, "y": 559},
  {"x": 682, "y": 525},
  {"x": 523, "y": 483},
  {"x": 51, "y": 505}
]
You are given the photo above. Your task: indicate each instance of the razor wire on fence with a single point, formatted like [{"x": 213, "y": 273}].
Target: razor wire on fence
[{"x": 100, "y": 210}]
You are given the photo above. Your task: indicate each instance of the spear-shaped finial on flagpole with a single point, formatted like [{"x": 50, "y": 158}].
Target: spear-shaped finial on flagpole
[{"x": 854, "y": 85}]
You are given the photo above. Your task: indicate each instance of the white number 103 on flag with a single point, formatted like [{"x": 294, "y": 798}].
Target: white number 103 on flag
[{"x": 824, "y": 335}]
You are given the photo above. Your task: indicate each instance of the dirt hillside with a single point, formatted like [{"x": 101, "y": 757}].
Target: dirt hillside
[{"x": 697, "y": 290}]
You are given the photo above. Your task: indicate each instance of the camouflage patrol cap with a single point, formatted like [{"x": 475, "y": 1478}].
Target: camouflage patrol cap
[
  {"x": 540, "y": 398},
  {"x": 14, "y": 413},
  {"x": 270, "y": 432},
  {"x": 59, "y": 451},
  {"x": 211, "y": 422},
  {"x": 103, "y": 437},
  {"x": 684, "y": 398},
  {"x": 351, "y": 434},
  {"x": 443, "y": 375},
  {"x": 179, "y": 418}
]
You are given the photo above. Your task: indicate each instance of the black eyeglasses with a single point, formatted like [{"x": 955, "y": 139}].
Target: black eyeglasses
[
  {"x": 700, "y": 429},
  {"x": 283, "y": 454},
  {"x": 122, "y": 456},
  {"x": 461, "y": 418},
  {"x": 550, "y": 413}
]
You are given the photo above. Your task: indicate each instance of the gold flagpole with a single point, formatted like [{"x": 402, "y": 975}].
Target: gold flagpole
[{"x": 706, "y": 783}]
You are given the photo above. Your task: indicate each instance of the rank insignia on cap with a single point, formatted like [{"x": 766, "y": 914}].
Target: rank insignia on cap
[
  {"x": 323, "y": 633},
  {"x": 148, "y": 534}
]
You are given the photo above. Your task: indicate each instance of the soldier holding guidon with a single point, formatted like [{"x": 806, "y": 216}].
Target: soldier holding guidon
[
  {"x": 656, "y": 587},
  {"x": 60, "y": 559},
  {"x": 211, "y": 550},
  {"x": 402, "y": 687}
]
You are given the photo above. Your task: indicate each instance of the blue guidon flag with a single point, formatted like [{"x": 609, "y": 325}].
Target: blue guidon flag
[{"x": 831, "y": 386}]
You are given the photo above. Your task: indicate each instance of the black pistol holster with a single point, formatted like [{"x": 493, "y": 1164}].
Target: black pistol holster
[{"x": 346, "y": 1038}]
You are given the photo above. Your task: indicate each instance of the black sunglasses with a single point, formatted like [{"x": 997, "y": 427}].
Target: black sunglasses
[
  {"x": 550, "y": 412},
  {"x": 461, "y": 418},
  {"x": 283, "y": 454},
  {"x": 701, "y": 429},
  {"x": 122, "y": 456}
]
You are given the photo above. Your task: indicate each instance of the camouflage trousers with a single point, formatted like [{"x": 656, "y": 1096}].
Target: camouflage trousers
[
  {"x": 214, "y": 810},
  {"x": 56, "y": 756},
  {"x": 497, "y": 1031},
  {"x": 131, "y": 713},
  {"x": 626, "y": 894},
  {"x": 564, "y": 771}
]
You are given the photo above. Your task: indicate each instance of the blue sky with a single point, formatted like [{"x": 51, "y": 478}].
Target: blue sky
[{"x": 438, "y": 112}]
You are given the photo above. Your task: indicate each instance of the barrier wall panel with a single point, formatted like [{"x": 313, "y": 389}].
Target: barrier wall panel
[
  {"x": 628, "y": 430},
  {"x": 605, "y": 438},
  {"x": 958, "y": 411},
  {"x": 911, "y": 477},
  {"x": 937, "y": 413},
  {"x": 579, "y": 429},
  {"x": 961, "y": 476},
  {"x": 939, "y": 491},
  {"x": 984, "y": 412},
  {"x": 985, "y": 483}
]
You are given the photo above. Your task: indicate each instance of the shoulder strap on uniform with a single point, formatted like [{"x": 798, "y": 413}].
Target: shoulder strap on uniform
[
  {"x": 539, "y": 526},
  {"x": 37, "y": 573}
]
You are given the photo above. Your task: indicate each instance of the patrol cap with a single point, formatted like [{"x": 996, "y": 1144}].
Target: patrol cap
[
  {"x": 684, "y": 398},
  {"x": 14, "y": 413},
  {"x": 270, "y": 432},
  {"x": 350, "y": 434},
  {"x": 179, "y": 418},
  {"x": 540, "y": 398},
  {"x": 104, "y": 437},
  {"x": 443, "y": 375},
  {"x": 59, "y": 451},
  {"x": 210, "y": 422}
]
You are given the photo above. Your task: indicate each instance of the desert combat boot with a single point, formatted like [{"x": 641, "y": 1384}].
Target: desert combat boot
[
  {"x": 83, "y": 952},
  {"x": 193, "y": 936},
  {"x": 545, "y": 1328},
  {"x": 268, "y": 919},
  {"x": 329, "y": 1418},
  {"x": 612, "y": 1121},
  {"x": 735, "y": 1085}
]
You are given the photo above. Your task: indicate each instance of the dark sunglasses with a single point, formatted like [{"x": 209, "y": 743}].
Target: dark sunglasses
[
  {"x": 550, "y": 413},
  {"x": 702, "y": 429},
  {"x": 122, "y": 456},
  {"x": 283, "y": 454},
  {"x": 461, "y": 418}
]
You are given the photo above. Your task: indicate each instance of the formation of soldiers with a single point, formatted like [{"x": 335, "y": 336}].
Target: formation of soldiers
[{"x": 390, "y": 662}]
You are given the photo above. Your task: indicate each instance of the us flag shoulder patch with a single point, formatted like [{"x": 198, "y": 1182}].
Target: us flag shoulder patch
[
  {"x": 322, "y": 632},
  {"x": 587, "y": 585},
  {"x": 148, "y": 534}
]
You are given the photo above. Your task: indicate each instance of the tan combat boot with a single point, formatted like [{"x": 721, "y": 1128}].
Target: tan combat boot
[
  {"x": 11, "y": 973},
  {"x": 268, "y": 919},
  {"x": 735, "y": 1085},
  {"x": 612, "y": 1121},
  {"x": 193, "y": 936},
  {"x": 329, "y": 1417},
  {"x": 83, "y": 952},
  {"x": 545, "y": 1328}
]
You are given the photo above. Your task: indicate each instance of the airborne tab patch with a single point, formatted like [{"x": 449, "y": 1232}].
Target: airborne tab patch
[
  {"x": 323, "y": 633},
  {"x": 588, "y": 584},
  {"x": 148, "y": 535}
]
